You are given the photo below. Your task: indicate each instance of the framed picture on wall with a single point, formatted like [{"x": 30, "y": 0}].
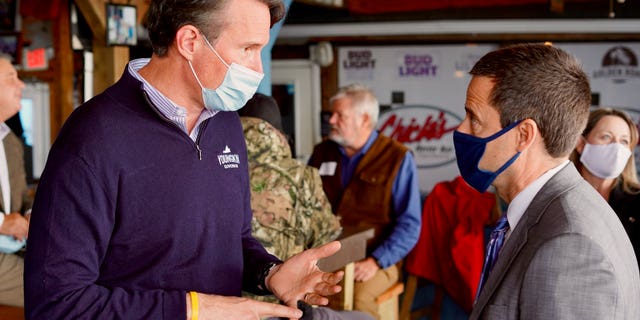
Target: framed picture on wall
[
  {"x": 121, "y": 25},
  {"x": 11, "y": 45}
]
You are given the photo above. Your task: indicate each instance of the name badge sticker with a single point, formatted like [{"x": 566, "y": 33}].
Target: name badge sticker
[{"x": 328, "y": 168}]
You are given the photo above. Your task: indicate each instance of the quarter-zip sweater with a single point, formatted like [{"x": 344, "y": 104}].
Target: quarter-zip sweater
[{"x": 131, "y": 213}]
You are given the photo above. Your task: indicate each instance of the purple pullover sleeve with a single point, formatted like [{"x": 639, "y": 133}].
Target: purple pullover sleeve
[{"x": 68, "y": 238}]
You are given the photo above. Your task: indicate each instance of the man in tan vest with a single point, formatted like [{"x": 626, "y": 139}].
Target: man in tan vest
[{"x": 371, "y": 181}]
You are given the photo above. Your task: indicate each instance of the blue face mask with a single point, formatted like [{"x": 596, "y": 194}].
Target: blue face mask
[
  {"x": 469, "y": 152},
  {"x": 238, "y": 86}
]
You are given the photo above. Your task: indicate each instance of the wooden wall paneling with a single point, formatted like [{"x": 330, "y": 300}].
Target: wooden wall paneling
[{"x": 329, "y": 80}]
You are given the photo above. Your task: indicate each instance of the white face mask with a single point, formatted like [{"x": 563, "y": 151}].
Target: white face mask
[
  {"x": 605, "y": 161},
  {"x": 238, "y": 86}
]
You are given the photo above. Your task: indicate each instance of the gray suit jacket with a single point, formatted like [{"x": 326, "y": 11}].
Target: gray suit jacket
[{"x": 568, "y": 258}]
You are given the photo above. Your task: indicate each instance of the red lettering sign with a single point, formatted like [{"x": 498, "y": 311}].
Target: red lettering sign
[{"x": 431, "y": 128}]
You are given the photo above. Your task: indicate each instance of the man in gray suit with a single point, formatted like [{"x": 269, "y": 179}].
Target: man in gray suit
[
  {"x": 14, "y": 198},
  {"x": 564, "y": 254}
]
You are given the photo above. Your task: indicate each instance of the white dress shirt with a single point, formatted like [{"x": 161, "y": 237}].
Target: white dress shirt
[
  {"x": 523, "y": 199},
  {"x": 5, "y": 187}
]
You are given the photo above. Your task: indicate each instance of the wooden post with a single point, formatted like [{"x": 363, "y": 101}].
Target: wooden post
[
  {"x": 62, "y": 84},
  {"x": 109, "y": 61},
  {"x": 557, "y": 6}
]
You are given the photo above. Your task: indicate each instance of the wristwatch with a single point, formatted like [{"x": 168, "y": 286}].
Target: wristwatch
[{"x": 262, "y": 286}]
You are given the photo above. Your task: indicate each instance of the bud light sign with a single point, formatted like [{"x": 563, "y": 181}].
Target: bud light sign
[
  {"x": 417, "y": 65},
  {"x": 359, "y": 65},
  {"x": 427, "y": 130}
]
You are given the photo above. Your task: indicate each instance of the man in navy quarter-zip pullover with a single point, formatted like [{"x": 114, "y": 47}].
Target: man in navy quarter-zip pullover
[{"x": 143, "y": 209}]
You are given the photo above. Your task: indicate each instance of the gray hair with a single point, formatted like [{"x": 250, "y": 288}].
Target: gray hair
[
  {"x": 6, "y": 57},
  {"x": 362, "y": 99}
]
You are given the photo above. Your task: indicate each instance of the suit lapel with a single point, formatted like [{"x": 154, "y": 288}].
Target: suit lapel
[
  {"x": 565, "y": 179},
  {"x": 2, "y": 203},
  {"x": 5, "y": 145}
]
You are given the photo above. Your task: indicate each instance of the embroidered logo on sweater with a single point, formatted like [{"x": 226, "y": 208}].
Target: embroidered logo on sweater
[{"x": 227, "y": 159}]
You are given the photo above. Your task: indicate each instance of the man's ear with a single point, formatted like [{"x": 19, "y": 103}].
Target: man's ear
[
  {"x": 187, "y": 41},
  {"x": 528, "y": 132},
  {"x": 580, "y": 144},
  {"x": 366, "y": 120}
]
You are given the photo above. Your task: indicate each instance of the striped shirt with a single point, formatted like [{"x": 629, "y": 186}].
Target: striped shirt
[
  {"x": 5, "y": 185},
  {"x": 175, "y": 113}
]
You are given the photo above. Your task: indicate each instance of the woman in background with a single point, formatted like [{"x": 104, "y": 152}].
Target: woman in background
[{"x": 604, "y": 157}]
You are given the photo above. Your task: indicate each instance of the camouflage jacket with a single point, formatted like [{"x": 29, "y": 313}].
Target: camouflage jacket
[{"x": 291, "y": 213}]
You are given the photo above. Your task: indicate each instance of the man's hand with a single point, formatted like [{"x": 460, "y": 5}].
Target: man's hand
[
  {"x": 299, "y": 278},
  {"x": 15, "y": 225},
  {"x": 365, "y": 269},
  {"x": 213, "y": 307}
]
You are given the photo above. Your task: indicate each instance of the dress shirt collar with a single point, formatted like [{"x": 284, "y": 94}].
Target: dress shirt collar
[
  {"x": 521, "y": 202},
  {"x": 165, "y": 106},
  {"x": 4, "y": 130}
]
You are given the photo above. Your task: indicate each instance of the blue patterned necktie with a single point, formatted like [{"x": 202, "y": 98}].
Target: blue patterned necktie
[{"x": 493, "y": 249}]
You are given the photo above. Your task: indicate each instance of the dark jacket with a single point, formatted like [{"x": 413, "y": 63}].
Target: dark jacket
[
  {"x": 130, "y": 214},
  {"x": 627, "y": 207}
]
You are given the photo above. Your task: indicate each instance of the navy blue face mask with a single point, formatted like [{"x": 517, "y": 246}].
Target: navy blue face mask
[{"x": 469, "y": 152}]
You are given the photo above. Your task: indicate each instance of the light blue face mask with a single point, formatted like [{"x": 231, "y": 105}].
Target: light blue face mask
[{"x": 238, "y": 86}]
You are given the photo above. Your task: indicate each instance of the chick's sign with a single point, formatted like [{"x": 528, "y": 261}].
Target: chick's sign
[
  {"x": 425, "y": 129},
  {"x": 421, "y": 90}
]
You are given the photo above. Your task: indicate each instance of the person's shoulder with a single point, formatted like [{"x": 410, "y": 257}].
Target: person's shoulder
[
  {"x": 311, "y": 172},
  {"x": 12, "y": 138},
  {"x": 634, "y": 192},
  {"x": 622, "y": 198},
  {"x": 105, "y": 118},
  {"x": 94, "y": 114},
  {"x": 392, "y": 143},
  {"x": 326, "y": 143},
  {"x": 323, "y": 149},
  {"x": 124, "y": 94},
  {"x": 286, "y": 171},
  {"x": 310, "y": 175},
  {"x": 288, "y": 167},
  {"x": 576, "y": 209}
]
